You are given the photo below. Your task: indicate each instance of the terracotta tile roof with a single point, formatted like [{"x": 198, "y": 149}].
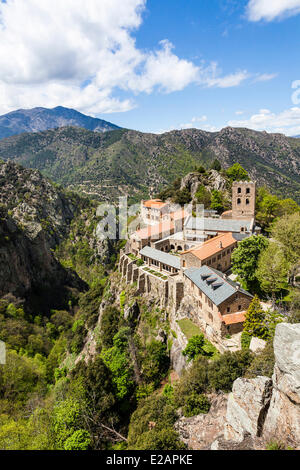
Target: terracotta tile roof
[
  {"x": 154, "y": 203},
  {"x": 212, "y": 246},
  {"x": 155, "y": 230},
  {"x": 232, "y": 318}
]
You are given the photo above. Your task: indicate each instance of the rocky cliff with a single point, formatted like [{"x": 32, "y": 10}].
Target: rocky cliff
[
  {"x": 263, "y": 410},
  {"x": 34, "y": 217}
]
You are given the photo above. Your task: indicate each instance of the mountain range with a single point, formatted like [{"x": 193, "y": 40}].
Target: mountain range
[
  {"x": 41, "y": 119},
  {"x": 108, "y": 164}
]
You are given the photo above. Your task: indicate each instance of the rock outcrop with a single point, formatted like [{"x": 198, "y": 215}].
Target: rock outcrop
[
  {"x": 199, "y": 431},
  {"x": 247, "y": 408},
  {"x": 283, "y": 418},
  {"x": 264, "y": 408}
]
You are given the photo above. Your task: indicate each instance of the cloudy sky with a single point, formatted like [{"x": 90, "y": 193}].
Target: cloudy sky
[{"x": 155, "y": 65}]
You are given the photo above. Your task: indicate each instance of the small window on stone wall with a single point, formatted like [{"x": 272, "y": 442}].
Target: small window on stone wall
[
  {"x": 228, "y": 309},
  {"x": 239, "y": 190},
  {"x": 247, "y": 201},
  {"x": 239, "y": 201}
]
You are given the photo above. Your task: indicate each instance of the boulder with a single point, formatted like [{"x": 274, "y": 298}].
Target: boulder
[
  {"x": 257, "y": 344},
  {"x": 247, "y": 407},
  {"x": 283, "y": 419}
]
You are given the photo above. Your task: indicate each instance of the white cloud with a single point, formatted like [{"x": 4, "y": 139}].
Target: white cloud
[
  {"x": 239, "y": 113},
  {"x": 270, "y": 10},
  {"x": 81, "y": 53},
  {"x": 286, "y": 122},
  {"x": 265, "y": 77}
]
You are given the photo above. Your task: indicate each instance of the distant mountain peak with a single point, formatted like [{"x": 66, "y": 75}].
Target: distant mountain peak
[{"x": 42, "y": 119}]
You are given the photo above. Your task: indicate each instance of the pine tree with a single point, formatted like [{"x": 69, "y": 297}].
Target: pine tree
[{"x": 254, "y": 323}]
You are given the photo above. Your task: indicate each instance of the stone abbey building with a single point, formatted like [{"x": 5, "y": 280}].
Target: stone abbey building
[{"x": 184, "y": 261}]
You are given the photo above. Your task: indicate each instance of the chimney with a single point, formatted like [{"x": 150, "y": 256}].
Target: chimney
[{"x": 221, "y": 245}]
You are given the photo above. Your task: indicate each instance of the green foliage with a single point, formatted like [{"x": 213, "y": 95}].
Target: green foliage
[
  {"x": 216, "y": 165},
  {"x": 79, "y": 440},
  {"x": 21, "y": 377},
  {"x": 203, "y": 196},
  {"x": 117, "y": 360},
  {"x": 196, "y": 404},
  {"x": 182, "y": 197},
  {"x": 245, "y": 260},
  {"x": 262, "y": 363},
  {"x": 158, "y": 411},
  {"x": 217, "y": 201},
  {"x": 162, "y": 439},
  {"x": 272, "y": 269},
  {"x": 237, "y": 173},
  {"x": 109, "y": 325},
  {"x": 269, "y": 208},
  {"x": 255, "y": 320},
  {"x": 286, "y": 231},
  {"x": 224, "y": 371},
  {"x": 66, "y": 421},
  {"x": 245, "y": 340},
  {"x": 194, "y": 347},
  {"x": 155, "y": 363}
]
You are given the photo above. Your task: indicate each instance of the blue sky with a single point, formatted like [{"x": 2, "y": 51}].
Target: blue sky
[
  {"x": 217, "y": 30},
  {"x": 155, "y": 65}
]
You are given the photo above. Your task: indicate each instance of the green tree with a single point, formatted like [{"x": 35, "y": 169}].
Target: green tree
[
  {"x": 217, "y": 201},
  {"x": 79, "y": 440},
  {"x": 254, "y": 323},
  {"x": 272, "y": 270},
  {"x": 194, "y": 347},
  {"x": 245, "y": 260},
  {"x": 203, "y": 196},
  {"x": 237, "y": 173},
  {"x": 117, "y": 359},
  {"x": 182, "y": 197},
  {"x": 216, "y": 165},
  {"x": 152, "y": 423},
  {"x": 224, "y": 371},
  {"x": 286, "y": 231}
]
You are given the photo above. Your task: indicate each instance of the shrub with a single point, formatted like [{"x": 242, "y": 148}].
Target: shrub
[
  {"x": 195, "y": 347},
  {"x": 196, "y": 404},
  {"x": 245, "y": 340}
]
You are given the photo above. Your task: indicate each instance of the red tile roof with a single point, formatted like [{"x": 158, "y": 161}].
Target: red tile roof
[
  {"x": 154, "y": 203},
  {"x": 232, "y": 318},
  {"x": 213, "y": 246},
  {"x": 155, "y": 230}
]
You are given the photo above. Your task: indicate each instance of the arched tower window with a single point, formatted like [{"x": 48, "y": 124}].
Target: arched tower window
[
  {"x": 247, "y": 190},
  {"x": 247, "y": 201},
  {"x": 239, "y": 201},
  {"x": 239, "y": 190}
]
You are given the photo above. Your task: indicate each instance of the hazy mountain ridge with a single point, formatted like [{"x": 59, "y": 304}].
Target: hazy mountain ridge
[
  {"x": 41, "y": 119},
  {"x": 139, "y": 164}
]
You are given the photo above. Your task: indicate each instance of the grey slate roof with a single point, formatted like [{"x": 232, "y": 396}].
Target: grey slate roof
[
  {"x": 213, "y": 284},
  {"x": 217, "y": 225},
  {"x": 157, "y": 255}
]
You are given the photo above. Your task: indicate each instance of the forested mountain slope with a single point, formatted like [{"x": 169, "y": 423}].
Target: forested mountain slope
[{"x": 130, "y": 162}]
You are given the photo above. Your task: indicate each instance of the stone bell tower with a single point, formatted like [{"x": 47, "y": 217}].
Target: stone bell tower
[{"x": 243, "y": 199}]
